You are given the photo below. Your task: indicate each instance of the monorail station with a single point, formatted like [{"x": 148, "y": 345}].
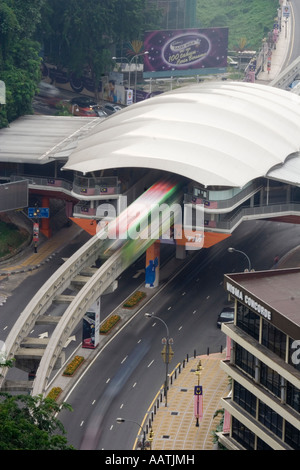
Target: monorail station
[
  {"x": 234, "y": 145},
  {"x": 263, "y": 360}
]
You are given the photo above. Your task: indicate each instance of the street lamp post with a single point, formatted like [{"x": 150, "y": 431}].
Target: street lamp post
[
  {"x": 197, "y": 397},
  {"x": 122, "y": 420},
  {"x": 130, "y": 62},
  {"x": 121, "y": 58},
  {"x": 232, "y": 250},
  {"x": 167, "y": 354}
]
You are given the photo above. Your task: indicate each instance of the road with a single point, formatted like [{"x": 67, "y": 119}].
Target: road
[
  {"x": 292, "y": 26},
  {"x": 116, "y": 385}
]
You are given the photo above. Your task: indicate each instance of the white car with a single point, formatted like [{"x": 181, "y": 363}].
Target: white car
[
  {"x": 111, "y": 108},
  {"x": 232, "y": 63}
]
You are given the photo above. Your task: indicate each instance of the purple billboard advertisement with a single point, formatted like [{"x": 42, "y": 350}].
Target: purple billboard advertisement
[{"x": 183, "y": 52}]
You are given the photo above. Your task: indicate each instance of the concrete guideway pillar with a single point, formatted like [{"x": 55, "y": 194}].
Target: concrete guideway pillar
[{"x": 152, "y": 265}]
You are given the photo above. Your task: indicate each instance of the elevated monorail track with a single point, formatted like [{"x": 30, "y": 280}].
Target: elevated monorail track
[{"x": 45, "y": 355}]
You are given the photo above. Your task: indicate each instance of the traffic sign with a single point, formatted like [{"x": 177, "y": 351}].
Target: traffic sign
[{"x": 286, "y": 11}]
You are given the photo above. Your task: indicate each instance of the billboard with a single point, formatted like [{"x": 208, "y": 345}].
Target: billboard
[{"x": 185, "y": 52}]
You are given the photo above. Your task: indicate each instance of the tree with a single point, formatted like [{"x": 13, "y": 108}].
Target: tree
[
  {"x": 81, "y": 36},
  {"x": 19, "y": 56},
  {"x": 29, "y": 423}
]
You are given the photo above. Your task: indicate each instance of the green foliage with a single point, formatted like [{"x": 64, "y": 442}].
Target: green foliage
[
  {"x": 251, "y": 19},
  {"x": 10, "y": 238},
  {"x": 80, "y": 35},
  {"x": 29, "y": 423},
  {"x": 19, "y": 56}
]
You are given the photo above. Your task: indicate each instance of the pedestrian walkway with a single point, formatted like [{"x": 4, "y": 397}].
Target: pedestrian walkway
[
  {"x": 174, "y": 427},
  {"x": 278, "y": 56}
]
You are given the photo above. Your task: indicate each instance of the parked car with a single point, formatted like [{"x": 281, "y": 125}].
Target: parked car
[
  {"x": 84, "y": 106},
  {"x": 225, "y": 316},
  {"x": 101, "y": 112},
  {"x": 111, "y": 108},
  {"x": 231, "y": 62}
]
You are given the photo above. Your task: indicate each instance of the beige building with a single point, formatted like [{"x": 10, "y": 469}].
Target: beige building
[{"x": 263, "y": 361}]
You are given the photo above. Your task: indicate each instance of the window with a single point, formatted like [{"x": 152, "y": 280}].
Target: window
[
  {"x": 248, "y": 321},
  {"x": 270, "y": 419},
  {"x": 292, "y": 436},
  {"x": 274, "y": 339},
  {"x": 261, "y": 445},
  {"x": 242, "y": 434},
  {"x": 197, "y": 192},
  {"x": 244, "y": 398},
  {"x": 293, "y": 396},
  {"x": 244, "y": 360},
  {"x": 270, "y": 379}
]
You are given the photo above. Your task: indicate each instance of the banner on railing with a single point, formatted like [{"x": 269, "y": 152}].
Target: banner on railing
[{"x": 198, "y": 402}]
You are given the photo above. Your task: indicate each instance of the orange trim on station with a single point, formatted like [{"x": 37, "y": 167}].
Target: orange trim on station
[
  {"x": 210, "y": 238},
  {"x": 86, "y": 224}
]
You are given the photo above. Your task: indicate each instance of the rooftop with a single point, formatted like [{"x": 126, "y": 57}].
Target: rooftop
[
  {"x": 40, "y": 139},
  {"x": 216, "y": 133},
  {"x": 279, "y": 291}
]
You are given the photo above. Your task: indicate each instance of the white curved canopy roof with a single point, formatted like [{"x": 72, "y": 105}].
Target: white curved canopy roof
[{"x": 216, "y": 133}]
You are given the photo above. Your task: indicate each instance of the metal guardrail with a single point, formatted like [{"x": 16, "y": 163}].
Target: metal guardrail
[
  {"x": 287, "y": 76},
  {"x": 216, "y": 205},
  {"x": 103, "y": 187},
  {"x": 259, "y": 212}
]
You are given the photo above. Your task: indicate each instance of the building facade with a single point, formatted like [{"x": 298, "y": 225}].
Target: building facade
[{"x": 262, "y": 411}]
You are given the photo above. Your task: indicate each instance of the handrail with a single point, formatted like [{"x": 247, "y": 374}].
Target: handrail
[
  {"x": 256, "y": 212},
  {"x": 42, "y": 300}
]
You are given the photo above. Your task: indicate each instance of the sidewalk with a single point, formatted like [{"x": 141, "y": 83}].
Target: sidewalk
[
  {"x": 174, "y": 426},
  {"x": 278, "y": 56}
]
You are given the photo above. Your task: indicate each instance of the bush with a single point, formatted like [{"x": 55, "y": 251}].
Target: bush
[
  {"x": 73, "y": 365},
  {"x": 134, "y": 299},
  {"x": 109, "y": 324},
  {"x": 54, "y": 393}
]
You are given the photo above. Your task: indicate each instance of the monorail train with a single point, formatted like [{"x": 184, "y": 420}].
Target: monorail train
[{"x": 144, "y": 221}]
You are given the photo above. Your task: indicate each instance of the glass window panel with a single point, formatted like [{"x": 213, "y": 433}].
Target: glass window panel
[
  {"x": 274, "y": 339},
  {"x": 292, "y": 436},
  {"x": 248, "y": 321},
  {"x": 242, "y": 434},
  {"x": 245, "y": 360},
  {"x": 244, "y": 398},
  {"x": 270, "y": 419},
  {"x": 270, "y": 379}
]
